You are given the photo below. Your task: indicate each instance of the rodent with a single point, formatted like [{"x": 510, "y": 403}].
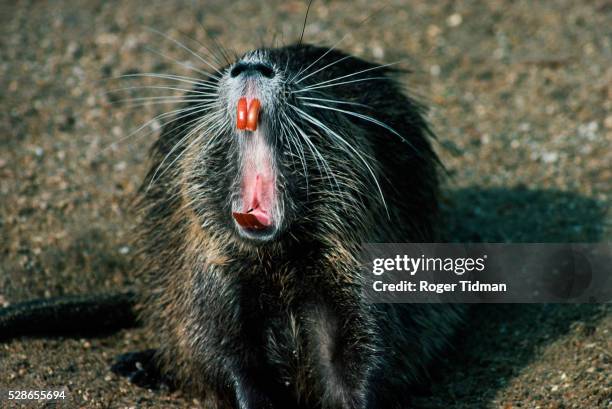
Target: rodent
[{"x": 270, "y": 314}]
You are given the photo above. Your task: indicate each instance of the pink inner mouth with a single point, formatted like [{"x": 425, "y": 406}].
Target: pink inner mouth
[
  {"x": 258, "y": 187},
  {"x": 257, "y": 198}
]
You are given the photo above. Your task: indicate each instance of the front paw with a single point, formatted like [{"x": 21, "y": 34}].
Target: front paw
[{"x": 141, "y": 369}]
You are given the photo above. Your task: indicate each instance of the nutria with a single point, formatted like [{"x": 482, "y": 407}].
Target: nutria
[
  {"x": 262, "y": 190},
  {"x": 251, "y": 237}
]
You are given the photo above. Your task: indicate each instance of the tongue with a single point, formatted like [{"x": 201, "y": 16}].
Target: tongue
[
  {"x": 255, "y": 220},
  {"x": 258, "y": 193}
]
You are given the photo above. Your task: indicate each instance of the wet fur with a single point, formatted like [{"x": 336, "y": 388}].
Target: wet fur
[{"x": 284, "y": 324}]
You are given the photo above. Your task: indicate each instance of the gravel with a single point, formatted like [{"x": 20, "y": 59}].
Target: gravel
[{"x": 521, "y": 97}]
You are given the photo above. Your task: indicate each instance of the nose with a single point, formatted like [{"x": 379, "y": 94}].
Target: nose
[{"x": 250, "y": 68}]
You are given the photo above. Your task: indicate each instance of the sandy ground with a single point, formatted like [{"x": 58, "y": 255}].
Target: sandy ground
[{"x": 521, "y": 97}]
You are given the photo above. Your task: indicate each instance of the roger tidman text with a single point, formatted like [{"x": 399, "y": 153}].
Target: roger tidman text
[
  {"x": 412, "y": 265},
  {"x": 439, "y": 288}
]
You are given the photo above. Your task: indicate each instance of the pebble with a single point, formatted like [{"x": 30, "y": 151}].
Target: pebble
[
  {"x": 120, "y": 166},
  {"x": 515, "y": 100},
  {"x": 433, "y": 31},
  {"x": 378, "y": 52},
  {"x": 155, "y": 125},
  {"x": 550, "y": 157},
  {"x": 588, "y": 130},
  {"x": 454, "y": 20}
]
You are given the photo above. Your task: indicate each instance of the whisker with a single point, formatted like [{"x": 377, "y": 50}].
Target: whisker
[
  {"x": 187, "y": 90},
  {"x": 337, "y": 83},
  {"x": 300, "y": 151},
  {"x": 208, "y": 50},
  {"x": 184, "y": 112},
  {"x": 378, "y": 67},
  {"x": 330, "y": 132},
  {"x": 180, "y": 63},
  {"x": 172, "y": 98},
  {"x": 189, "y": 80},
  {"x": 187, "y": 49},
  {"x": 363, "y": 21},
  {"x": 369, "y": 119},
  {"x": 295, "y": 140},
  {"x": 316, "y": 155},
  {"x": 324, "y": 67},
  {"x": 220, "y": 48},
  {"x": 214, "y": 130},
  {"x": 188, "y": 135},
  {"x": 205, "y": 103},
  {"x": 301, "y": 71},
  {"x": 335, "y": 101},
  {"x": 305, "y": 21}
]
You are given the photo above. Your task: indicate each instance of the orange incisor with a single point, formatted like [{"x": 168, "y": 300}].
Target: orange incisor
[{"x": 247, "y": 117}]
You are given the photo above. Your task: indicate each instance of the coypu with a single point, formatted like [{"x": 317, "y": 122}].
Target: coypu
[
  {"x": 251, "y": 234},
  {"x": 260, "y": 194}
]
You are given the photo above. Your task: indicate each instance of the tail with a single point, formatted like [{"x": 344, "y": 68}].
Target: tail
[{"x": 70, "y": 315}]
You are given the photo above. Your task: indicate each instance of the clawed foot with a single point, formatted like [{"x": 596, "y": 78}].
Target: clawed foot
[{"x": 141, "y": 370}]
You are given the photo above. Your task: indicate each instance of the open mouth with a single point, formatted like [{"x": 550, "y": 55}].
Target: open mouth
[
  {"x": 257, "y": 193},
  {"x": 254, "y": 215},
  {"x": 255, "y": 218}
]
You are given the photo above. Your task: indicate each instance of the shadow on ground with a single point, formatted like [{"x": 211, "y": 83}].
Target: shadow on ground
[
  {"x": 497, "y": 345},
  {"x": 498, "y": 341}
]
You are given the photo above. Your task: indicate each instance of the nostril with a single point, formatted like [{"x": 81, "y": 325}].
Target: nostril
[
  {"x": 238, "y": 69},
  {"x": 264, "y": 69}
]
